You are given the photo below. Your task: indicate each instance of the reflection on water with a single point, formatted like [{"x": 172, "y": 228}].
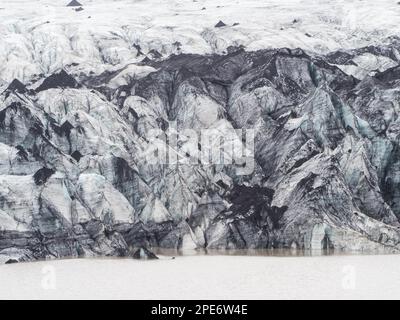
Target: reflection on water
[{"x": 256, "y": 252}]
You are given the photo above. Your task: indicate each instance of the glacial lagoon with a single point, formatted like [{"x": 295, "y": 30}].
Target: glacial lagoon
[{"x": 211, "y": 276}]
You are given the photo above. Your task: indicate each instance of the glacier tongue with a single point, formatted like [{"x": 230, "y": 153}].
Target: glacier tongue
[{"x": 100, "y": 123}]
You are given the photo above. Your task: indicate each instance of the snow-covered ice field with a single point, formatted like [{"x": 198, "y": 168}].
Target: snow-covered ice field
[
  {"x": 206, "y": 277},
  {"x": 42, "y": 36}
]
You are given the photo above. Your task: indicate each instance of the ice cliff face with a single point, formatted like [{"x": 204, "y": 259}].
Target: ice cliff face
[{"x": 80, "y": 166}]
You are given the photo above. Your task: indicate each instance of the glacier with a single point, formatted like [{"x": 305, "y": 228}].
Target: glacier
[{"x": 85, "y": 97}]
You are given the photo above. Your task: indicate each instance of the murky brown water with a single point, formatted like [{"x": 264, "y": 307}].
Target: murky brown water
[{"x": 206, "y": 277}]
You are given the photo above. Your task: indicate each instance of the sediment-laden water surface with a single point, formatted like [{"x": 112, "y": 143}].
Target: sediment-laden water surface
[{"x": 207, "y": 277}]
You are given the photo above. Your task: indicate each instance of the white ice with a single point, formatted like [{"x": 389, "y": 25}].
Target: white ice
[{"x": 42, "y": 36}]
